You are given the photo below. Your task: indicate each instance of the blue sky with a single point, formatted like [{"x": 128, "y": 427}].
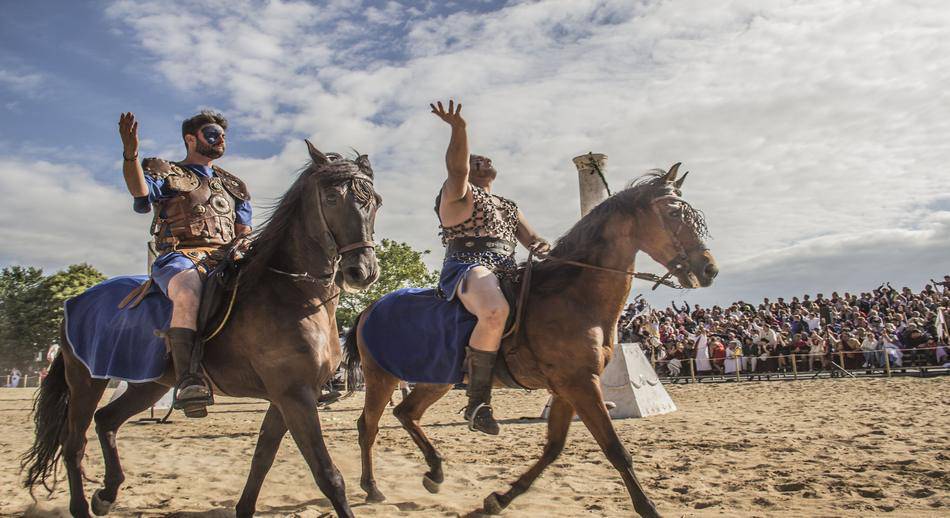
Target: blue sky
[{"x": 815, "y": 131}]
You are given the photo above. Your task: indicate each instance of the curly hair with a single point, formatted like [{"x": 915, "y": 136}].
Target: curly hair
[{"x": 191, "y": 125}]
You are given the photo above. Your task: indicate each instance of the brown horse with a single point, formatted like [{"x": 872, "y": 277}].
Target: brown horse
[
  {"x": 568, "y": 329},
  {"x": 281, "y": 343}
]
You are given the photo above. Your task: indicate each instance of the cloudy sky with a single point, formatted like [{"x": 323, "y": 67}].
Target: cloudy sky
[{"x": 817, "y": 133}]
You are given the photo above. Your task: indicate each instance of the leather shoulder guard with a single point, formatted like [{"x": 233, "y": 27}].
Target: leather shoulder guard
[
  {"x": 178, "y": 178},
  {"x": 233, "y": 184}
]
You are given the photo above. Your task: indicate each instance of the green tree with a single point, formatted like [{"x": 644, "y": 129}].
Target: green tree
[
  {"x": 62, "y": 285},
  {"x": 399, "y": 267},
  {"x": 31, "y": 307},
  {"x": 20, "y": 308}
]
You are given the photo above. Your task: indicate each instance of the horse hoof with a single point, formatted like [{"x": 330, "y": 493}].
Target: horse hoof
[
  {"x": 373, "y": 494},
  {"x": 100, "y": 507},
  {"x": 491, "y": 505},
  {"x": 431, "y": 485}
]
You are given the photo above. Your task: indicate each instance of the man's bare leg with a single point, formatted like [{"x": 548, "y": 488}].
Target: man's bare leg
[
  {"x": 184, "y": 290},
  {"x": 481, "y": 295}
]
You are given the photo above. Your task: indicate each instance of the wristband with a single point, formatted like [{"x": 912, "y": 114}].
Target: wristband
[{"x": 133, "y": 159}]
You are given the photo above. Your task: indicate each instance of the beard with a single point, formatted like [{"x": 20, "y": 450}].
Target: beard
[
  {"x": 483, "y": 175},
  {"x": 212, "y": 152}
]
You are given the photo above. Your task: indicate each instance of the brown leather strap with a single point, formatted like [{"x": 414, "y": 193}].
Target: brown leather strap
[
  {"x": 135, "y": 296},
  {"x": 522, "y": 298},
  {"x": 355, "y": 246}
]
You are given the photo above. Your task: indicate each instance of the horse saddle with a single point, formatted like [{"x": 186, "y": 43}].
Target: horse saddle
[{"x": 216, "y": 292}]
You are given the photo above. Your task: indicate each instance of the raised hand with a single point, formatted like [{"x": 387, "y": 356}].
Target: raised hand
[
  {"x": 129, "y": 132},
  {"x": 453, "y": 116}
]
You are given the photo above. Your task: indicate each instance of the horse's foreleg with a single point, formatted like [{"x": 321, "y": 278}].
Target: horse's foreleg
[
  {"x": 559, "y": 421},
  {"x": 588, "y": 401},
  {"x": 379, "y": 388},
  {"x": 409, "y": 412},
  {"x": 299, "y": 408},
  {"x": 109, "y": 418},
  {"x": 272, "y": 433},
  {"x": 84, "y": 394}
]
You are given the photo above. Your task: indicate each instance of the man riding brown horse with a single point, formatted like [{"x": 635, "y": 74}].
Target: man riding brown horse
[
  {"x": 479, "y": 231},
  {"x": 200, "y": 209}
]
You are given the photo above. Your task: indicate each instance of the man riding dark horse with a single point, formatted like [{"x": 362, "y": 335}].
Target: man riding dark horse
[
  {"x": 200, "y": 209},
  {"x": 478, "y": 230}
]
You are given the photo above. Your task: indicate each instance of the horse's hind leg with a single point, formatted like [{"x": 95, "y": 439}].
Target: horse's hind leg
[
  {"x": 559, "y": 421},
  {"x": 588, "y": 401},
  {"x": 379, "y": 388},
  {"x": 272, "y": 433},
  {"x": 135, "y": 399},
  {"x": 84, "y": 394},
  {"x": 409, "y": 412}
]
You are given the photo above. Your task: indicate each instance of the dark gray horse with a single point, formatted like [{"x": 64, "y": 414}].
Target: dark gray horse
[{"x": 280, "y": 344}]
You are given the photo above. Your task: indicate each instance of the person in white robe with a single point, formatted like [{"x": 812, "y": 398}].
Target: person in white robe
[{"x": 702, "y": 352}]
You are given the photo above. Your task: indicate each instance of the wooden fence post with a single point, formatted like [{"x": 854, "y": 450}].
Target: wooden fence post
[
  {"x": 887, "y": 362},
  {"x": 692, "y": 369},
  {"x": 794, "y": 366}
]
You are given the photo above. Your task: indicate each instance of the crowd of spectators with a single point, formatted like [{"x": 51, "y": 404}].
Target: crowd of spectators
[{"x": 899, "y": 328}]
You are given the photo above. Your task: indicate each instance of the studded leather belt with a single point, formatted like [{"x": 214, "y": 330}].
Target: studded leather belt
[{"x": 479, "y": 244}]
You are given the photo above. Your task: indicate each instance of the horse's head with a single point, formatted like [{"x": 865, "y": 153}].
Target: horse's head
[
  {"x": 342, "y": 214},
  {"x": 672, "y": 233}
]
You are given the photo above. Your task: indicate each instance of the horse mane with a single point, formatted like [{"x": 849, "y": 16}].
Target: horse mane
[
  {"x": 267, "y": 239},
  {"x": 585, "y": 241}
]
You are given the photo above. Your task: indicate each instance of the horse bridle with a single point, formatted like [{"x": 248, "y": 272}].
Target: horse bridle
[
  {"x": 679, "y": 261},
  {"x": 331, "y": 244}
]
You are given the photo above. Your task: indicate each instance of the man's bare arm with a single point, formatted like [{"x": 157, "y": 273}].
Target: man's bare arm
[
  {"x": 131, "y": 166},
  {"x": 456, "y": 156},
  {"x": 529, "y": 238}
]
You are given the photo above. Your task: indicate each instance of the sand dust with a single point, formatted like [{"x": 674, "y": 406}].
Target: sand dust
[{"x": 867, "y": 447}]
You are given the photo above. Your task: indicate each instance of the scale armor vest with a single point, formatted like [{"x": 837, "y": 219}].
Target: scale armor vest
[
  {"x": 201, "y": 214},
  {"x": 492, "y": 216}
]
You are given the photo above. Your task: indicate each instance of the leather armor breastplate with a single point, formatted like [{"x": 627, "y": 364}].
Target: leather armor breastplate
[{"x": 201, "y": 213}]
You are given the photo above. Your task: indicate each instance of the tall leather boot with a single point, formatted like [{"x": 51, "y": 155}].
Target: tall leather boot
[
  {"x": 478, "y": 413},
  {"x": 191, "y": 392}
]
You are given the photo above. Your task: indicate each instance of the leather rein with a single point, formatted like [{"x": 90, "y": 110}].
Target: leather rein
[{"x": 677, "y": 263}]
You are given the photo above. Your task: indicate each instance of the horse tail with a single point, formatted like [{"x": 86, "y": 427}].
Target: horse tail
[
  {"x": 351, "y": 353},
  {"x": 49, "y": 416}
]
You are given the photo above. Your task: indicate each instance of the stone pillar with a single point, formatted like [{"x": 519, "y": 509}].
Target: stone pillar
[{"x": 593, "y": 185}]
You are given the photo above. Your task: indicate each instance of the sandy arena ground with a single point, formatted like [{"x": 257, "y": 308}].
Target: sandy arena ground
[{"x": 868, "y": 447}]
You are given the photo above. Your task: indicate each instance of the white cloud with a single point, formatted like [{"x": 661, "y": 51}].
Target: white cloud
[
  {"x": 21, "y": 81},
  {"x": 803, "y": 123},
  {"x": 57, "y": 214}
]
